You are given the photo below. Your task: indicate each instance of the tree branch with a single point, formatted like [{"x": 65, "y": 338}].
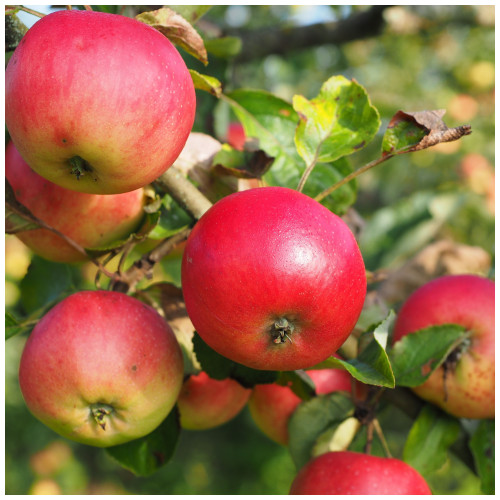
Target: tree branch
[{"x": 259, "y": 43}]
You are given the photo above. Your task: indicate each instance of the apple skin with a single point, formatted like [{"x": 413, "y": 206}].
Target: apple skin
[
  {"x": 91, "y": 220},
  {"x": 272, "y": 405},
  {"x": 262, "y": 259},
  {"x": 352, "y": 473},
  {"x": 101, "y": 350},
  {"x": 102, "y": 87},
  {"x": 205, "y": 403},
  {"x": 236, "y": 135},
  {"x": 469, "y": 301}
]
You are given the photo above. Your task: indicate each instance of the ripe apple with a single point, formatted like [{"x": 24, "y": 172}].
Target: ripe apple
[
  {"x": 272, "y": 405},
  {"x": 352, "y": 473},
  {"x": 272, "y": 279},
  {"x": 101, "y": 368},
  {"x": 98, "y": 103},
  {"x": 464, "y": 385},
  {"x": 205, "y": 403},
  {"x": 236, "y": 135},
  {"x": 91, "y": 220}
]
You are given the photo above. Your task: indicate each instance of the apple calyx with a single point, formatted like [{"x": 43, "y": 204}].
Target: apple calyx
[
  {"x": 99, "y": 412},
  {"x": 281, "y": 330},
  {"x": 79, "y": 167}
]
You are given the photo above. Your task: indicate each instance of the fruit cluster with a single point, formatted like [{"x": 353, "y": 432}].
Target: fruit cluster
[{"x": 271, "y": 279}]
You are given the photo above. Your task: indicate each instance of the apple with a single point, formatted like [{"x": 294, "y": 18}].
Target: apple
[
  {"x": 464, "y": 385},
  {"x": 352, "y": 473},
  {"x": 98, "y": 103},
  {"x": 272, "y": 279},
  {"x": 205, "y": 403},
  {"x": 91, "y": 220},
  {"x": 101, "y": 368},
  {"x": 272, "y": 405},
  {"x": 236, "y": 135}
]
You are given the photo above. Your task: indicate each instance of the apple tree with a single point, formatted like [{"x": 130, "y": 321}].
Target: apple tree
[{"x": 199, "y": 252}]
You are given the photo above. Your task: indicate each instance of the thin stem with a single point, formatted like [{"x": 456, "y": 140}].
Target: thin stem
[
  {"x": 88, "y": 7},
  {"x": 352, "y": 176},
  {"x": 380, "y": 434},
  {"x": 307, "y": 173},
  {"x": 17, "y": 8}
]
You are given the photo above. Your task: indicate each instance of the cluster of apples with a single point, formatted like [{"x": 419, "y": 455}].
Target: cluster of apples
[{"x": 271, "y": 278}]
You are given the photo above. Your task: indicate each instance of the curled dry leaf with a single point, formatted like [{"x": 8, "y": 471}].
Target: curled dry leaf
[
  {"x": 414, "y": 131},
  {"x": 177, "y": 30}
]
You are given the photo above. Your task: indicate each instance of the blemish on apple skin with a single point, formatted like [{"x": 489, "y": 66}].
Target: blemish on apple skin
[{"x": 134, "y": 368}]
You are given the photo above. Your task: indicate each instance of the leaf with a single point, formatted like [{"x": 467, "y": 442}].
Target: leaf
[
  {"x": 312, "y": 419},
  {"x": 220, "y": 367},
  {"x": 225, "y": 47},
  {"x": 17, "y": 217},
  {"x": 241, "y": 164},
  {"x": 172, "y": 219},
  {"x": 431, "y": 435},
  {"x": 146, "y": 455},
  {"x": 482, "y": 446},
  {"x": 15, "y": 327},
  {"x": 409, "y": 132},
  {"x": 299, "y": 382},
  {"x": 192, "y": 13},
  {"x": 45, "y": 282},
  {"x": 338, "y": 122},
  {"x": 207, "y": 83},
  {"x": 177, "y": 30},
  {"x": 417, "y": 355}
]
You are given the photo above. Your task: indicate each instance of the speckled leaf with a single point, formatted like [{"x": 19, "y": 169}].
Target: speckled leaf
[
  {"x": 177, "y": 30},
  {"x": 336, "y": 123},
  {"x": 207, "y": 83}
]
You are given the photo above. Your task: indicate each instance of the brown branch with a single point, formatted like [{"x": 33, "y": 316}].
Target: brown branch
[{"x": 258, "y": 43}]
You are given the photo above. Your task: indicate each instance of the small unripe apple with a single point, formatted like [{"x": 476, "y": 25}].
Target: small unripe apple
[
  {"x": 351, "y": 473},
  {"x": 272, "y": 405},
  {"x": 205, "y": 403},
  {"x": 272, "y": 279},
  {"x": 91, "y": 220},
  {"x": 101, "y": 368},
  {"x": 464, "y": 385},
  {"x": 96, "y": 102}
]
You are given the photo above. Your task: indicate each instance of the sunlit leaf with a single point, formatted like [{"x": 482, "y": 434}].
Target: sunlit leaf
[{"x": 207, "y": 83}]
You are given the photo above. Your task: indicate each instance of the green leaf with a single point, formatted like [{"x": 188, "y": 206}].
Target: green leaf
[
  {"x": 272, "y": 122},
  {"x": 312, "y": 419},
  {"x": 172, "y": 219},
  {"x": 45, "y": 282},
  {"x": 299, "y": 382},
  {"x": 207, "y": 83},
  {"x": 417, "y": 355},
  {"x": 338, "y": 122},
  {"x": 482, "y": 446},
  {"x": 17, "y": 217},
  {"x": 220, "y": 367},
  {"x": 402, "y": 133},
  {"x": 225, "y": 47},
  {"x": 372, "y": 365},
  {"x": 429, "y": 439},
  {"x": 14, "y": 327},
  {"x": 146, "y": 455}
]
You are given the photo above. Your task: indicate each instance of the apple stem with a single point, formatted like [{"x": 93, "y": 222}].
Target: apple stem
[
  {"x": 99, "y": 413},
  {"x": 281, "y": 330}
]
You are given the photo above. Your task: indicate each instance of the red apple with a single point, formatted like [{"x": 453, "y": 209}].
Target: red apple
[
  {"x": 272, "y": 279},
  {"x": 205, "y": 403},
  {"x": 98, "y": 103},
  {"x": 351, "y": 473},
  {"x": 101, "y": 368},
  {"x": 91, "y": 220},
  {"x": 467, "y": 389},
  {"x": 272, "y": 405},
  {"x": 236, "y": 135}
]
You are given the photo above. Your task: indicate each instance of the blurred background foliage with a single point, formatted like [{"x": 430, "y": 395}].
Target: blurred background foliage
[{"x": 407, "y": 57}]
